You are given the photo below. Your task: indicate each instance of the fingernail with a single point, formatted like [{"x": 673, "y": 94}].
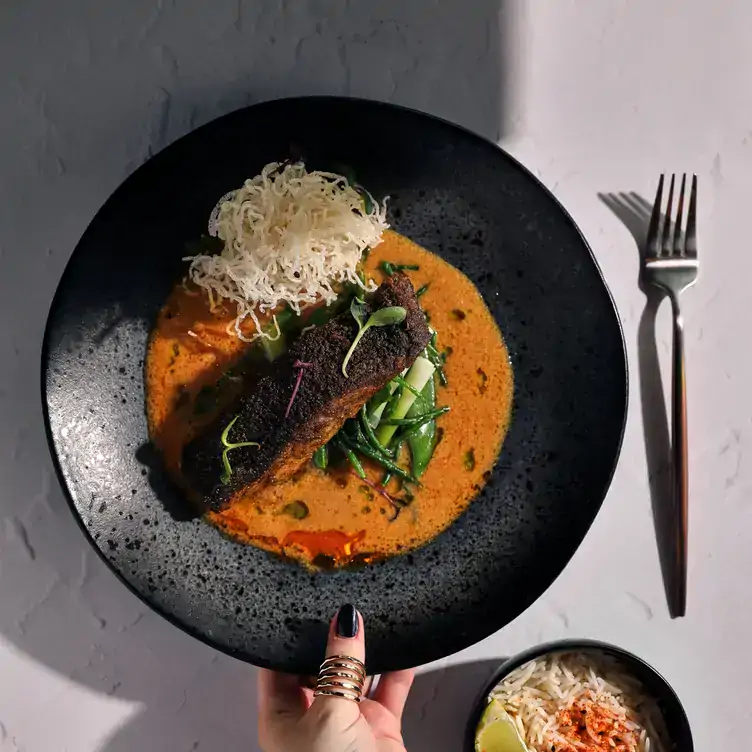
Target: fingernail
[{"x": 347, "y": 621}]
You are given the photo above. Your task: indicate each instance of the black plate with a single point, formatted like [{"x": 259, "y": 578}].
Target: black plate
[
  {"x": 453, "y": 193},
  {"x": 669, "y": 704}
]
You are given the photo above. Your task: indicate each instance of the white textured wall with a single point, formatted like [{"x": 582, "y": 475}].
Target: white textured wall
[{"x": 594, "y": 96}]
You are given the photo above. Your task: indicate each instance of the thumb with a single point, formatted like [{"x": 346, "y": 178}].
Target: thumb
[{"x": 346, "y": 638}]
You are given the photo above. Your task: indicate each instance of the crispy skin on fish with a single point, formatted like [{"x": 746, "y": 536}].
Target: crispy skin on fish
[{"x": 325, "y": 398}]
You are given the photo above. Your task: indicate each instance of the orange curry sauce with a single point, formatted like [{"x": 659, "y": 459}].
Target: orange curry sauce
[{"x": 345, "y": 522}]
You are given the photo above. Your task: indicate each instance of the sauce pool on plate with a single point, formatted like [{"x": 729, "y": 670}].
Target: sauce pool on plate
[{"x": 333, "y": 518}]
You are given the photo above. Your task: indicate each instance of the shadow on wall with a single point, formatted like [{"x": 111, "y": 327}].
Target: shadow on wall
[{"x": 90, "y": 92}]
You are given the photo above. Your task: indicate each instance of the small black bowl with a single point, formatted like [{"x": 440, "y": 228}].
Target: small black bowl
[{"x": 674, "y": 715}]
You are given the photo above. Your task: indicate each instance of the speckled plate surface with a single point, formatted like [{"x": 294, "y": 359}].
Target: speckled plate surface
[{"x": 458, "y": 196}]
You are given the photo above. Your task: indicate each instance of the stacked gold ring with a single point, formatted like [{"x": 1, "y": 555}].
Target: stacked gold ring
[{"x": 341, "y": 676}]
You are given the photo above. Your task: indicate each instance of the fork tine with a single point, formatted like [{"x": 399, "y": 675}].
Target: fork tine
[
  {"x": 667, "y": 234},
  {"x": 653, "y": 246},
  {"x": 678, "y": 237},
  {"x": 690, "y": 242}
]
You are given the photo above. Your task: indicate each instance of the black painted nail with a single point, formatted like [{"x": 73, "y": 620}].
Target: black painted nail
[{"x": 347, "y": 621}]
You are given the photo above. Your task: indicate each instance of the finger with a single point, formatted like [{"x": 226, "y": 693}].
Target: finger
[
  {"x": 346, "y": 638},
  {"x": 347, "y": 634},
  {"x": 279, "y": 697},
  {"x": 392, "y": 691}
]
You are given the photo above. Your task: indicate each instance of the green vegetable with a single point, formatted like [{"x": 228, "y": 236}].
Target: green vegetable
[
  {"x": 421, "y": 291},
  {"x": 225, "y": 477},
  {"x": 389, "y": 268},
  {"x": 422, "y": 439},
  {"x": 372, "y": 454},
  {"x": 367, "y": 200},
  {"x": 351, "y": 457},
  {"x": 417, "y": 377},
  {"x": 377, "y": 403},
  {"x": 417, "y": 420},
  {"x": 348, "y": 173},
  {"x": 380, "y": 405},
  {"x": 369, "y": 434},
  {"x": 321, "y": 457},
  {"x": 275, "y": 347},
  {"x": 438, "y": 359},
  {"x": 382, "y": 317},
  {"x": 296, "y": 509},
  {"x": 396, "y": 454},
  {"x": 403, "y": 383}
]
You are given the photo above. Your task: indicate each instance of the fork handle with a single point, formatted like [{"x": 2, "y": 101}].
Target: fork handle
[{"x": 680, "y": 478}]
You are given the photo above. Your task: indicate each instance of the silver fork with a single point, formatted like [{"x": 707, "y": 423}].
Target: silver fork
[{"x": 670, "y": 264}]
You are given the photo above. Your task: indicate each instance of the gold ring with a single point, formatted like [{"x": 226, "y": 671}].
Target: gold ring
[{"x": 341, "y": 676}]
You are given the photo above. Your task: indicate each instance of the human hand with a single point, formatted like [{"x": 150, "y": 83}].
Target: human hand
[{"x": 292, "y": 720}]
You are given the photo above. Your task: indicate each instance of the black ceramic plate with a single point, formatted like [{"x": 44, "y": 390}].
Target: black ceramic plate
[
  {"x": 669, "y": 704},
  {"x": 453, "y": 193}
]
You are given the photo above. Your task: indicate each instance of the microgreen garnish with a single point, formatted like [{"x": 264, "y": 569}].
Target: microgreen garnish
[
  {"x": 382, "y": 317},
  {"x": 321, "y": 457},
  {"x": 390, "y": 268},
  {"x": 300, "y": 365},
  {"x": 225, "y": 477}
]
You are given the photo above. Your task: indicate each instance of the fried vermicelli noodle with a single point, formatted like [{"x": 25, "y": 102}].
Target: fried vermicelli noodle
[{"x": 289, "y": 237}]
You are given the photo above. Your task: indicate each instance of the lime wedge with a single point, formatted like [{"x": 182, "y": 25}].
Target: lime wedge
[{"x": 497, "y": 732}]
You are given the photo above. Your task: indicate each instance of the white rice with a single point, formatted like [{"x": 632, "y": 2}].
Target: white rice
[{"x": 534, "y": 693}]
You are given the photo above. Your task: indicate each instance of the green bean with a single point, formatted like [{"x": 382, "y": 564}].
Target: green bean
[
  {"x": 421, "y": 438},
  {"x": 321, "y": 457},
  {"x": 370, "y": 435},
  {"x": 403, "y": 383},
  {"x": 372, "y": 454},
  {"x": 357, "y": 432},
  {"x": 436, "y": 358},
  {"x": 367, "y": 202},
  {"x": 417, "y": 420},
  {"x": 390, "y": 268},
  {"x": 392, "y": 403},
  {"x": 351, "y": 457},
  {"x": 396, "y": 454}
]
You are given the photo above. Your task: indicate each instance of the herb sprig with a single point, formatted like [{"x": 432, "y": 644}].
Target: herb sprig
[
  {"x": 382, "y": 317},
  {"x": 225, "y": 439}
]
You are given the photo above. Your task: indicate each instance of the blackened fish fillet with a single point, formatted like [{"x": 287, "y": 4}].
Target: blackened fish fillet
[{"x": 325, "y": 398}]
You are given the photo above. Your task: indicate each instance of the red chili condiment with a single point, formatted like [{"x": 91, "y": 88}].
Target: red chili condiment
[{"x": 591, "y": 725}]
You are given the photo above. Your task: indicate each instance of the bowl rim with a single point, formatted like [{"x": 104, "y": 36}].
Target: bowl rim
[{"x": 566, "y": 645}]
